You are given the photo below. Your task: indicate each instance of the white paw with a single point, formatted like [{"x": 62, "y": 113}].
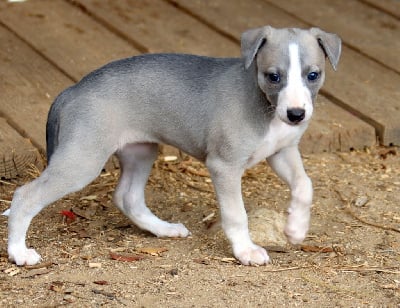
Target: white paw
[
  {"x": 251, "y": 255},
  {"x": 296, "y": 230},
  {"x": 6, "y": 212},
  {"x": 170, "y": 230},
  {"x": 23, "y": 256}
]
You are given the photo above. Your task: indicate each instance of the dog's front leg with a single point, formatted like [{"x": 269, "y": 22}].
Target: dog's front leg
[
  {"x": 289, "y": 167},
  {"x": 227, "y": 183}
]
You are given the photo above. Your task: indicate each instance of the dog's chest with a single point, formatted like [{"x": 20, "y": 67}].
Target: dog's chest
[{"x": 278, "y": 136}]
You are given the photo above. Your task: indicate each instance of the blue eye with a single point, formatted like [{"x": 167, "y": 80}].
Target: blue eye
[
  {"x": 274, "y": 78},
  {"x": 312, "y": 76}
]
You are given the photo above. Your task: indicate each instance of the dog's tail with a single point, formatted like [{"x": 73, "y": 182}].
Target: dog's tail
[{"x": 53, "y": 126}]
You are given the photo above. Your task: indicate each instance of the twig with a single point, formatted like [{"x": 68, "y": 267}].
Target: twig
[
  {"x": 7, "y": 183},
  {"x": 194, "y": 171},
  {"x": 203, "y": 189},
  {"x": 348, "y": 210},
  {"x": 368, "y": 269},
  {"x": 287, "y": 269},
  {"x": 40, "y": 265}
]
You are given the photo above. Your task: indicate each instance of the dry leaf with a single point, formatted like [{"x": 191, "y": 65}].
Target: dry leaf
[
  {"x": 310, "y": 248},
  {"x": 126, "y": 258},
  {"x": 101, "y": 282},
  {"x": 57, "y": 286},
  {"x": 202, "y": 261}
]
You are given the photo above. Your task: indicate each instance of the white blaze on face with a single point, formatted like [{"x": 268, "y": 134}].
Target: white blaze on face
[{"x": 295, "y": 94}]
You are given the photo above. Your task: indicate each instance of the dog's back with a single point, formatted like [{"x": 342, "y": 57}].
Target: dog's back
[{"x": 149, "y": 92}]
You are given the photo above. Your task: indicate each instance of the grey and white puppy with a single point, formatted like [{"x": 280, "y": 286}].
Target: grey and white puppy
[{"x": 229, "y": 113}]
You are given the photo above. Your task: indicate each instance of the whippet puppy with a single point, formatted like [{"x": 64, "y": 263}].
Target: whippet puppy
[{"x": 229, "y": 113}]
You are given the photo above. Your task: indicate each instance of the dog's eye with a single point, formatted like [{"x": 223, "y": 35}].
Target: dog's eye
[
  {"x": 274, "y": 78},
  {"x": 312, "y": 76}
]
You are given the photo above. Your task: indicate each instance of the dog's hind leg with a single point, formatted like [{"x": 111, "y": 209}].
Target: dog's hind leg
[
  {"x": 69, "y": 170},
  {"x": 136, "y": 162}
]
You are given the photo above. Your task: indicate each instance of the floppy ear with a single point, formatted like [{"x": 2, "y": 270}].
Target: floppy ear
[
  {"x": 330, "y": 43},
  {"x": 251, "y": 42}
]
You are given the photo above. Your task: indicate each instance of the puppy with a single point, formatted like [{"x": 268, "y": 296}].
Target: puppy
[{"x": 229, "y": 113}]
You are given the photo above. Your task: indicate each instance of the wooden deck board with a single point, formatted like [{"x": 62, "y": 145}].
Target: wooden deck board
[
  {"x": 334, "y": 129},
  {"x": 391, "y": 7},
  {"x": 65, "y": 35},
  {"x": 28, "y": 86},
  {"x": 17, "y": 154},
  {"x": 160, "y": 27},
  {"x": 361, "y": 86},
  {"x": 360, "y": 26},
  {"x": 225, "y": 47}
]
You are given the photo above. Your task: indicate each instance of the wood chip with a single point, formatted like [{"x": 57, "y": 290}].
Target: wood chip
[
  {"x": 279, "y": 249},
  {"x": 229, "y": 260},
  {"x": 94, "y": 265},
  {"x": 154, "y": 251},
  {"x": 12, "y": 271},
  {"x": 40, "y": 265},
  {"x": 89, "y": 198},
  {"x": 36, "y": 272},
  {"x": 170, "y": 158}
]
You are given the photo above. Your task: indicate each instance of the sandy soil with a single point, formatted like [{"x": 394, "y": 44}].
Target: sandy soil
[{"x": 351, "y": 257}]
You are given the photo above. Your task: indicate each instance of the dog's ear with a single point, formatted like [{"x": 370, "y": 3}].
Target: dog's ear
[
  {"x": 330, "y": 43},
  {"x": 251, "y": 42}
]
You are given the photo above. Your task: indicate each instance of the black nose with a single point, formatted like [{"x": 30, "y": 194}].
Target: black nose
[{"x": 296, "y": 115}]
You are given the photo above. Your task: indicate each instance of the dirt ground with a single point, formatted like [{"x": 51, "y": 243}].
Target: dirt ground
[{"x": 95, "y": 257}]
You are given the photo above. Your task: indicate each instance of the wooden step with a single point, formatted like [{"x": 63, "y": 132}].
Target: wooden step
[{"x": 17, "y": 154}]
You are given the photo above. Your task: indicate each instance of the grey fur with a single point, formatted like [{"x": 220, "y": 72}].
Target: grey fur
[{"x": 224, "y": 112}]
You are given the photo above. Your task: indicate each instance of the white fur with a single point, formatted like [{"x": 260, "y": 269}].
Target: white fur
[
  {"x": 278, "y": 135},
  {"x": 295, "y": 94}
]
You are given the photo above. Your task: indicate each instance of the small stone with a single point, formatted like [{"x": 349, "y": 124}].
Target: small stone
[
  {"x": 174, "y": 272},
  {"x": 361, "y": 201},
  {"x": 69, "y": 298}
]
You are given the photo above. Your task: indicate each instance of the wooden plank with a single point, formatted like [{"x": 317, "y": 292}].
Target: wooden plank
[
  {"x": 361, "y": 86},
  {"x": 364, "y": 28},
  {"x": 53, "y": 28},
  {"x": 323, "y": 135},
  {"x": 17, "y": 154},
  {"x": 369, "y": 91},
  {"x": 65, "y": 35},
  {"x": 391, "y": 7},
  {"x": 160, "y": 27},
  {"x": 28, "y": 85},
  {"x": 334, "y": 129}
]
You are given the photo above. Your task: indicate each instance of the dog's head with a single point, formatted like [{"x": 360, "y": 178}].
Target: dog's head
[{"x": 290, "y": 65}]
